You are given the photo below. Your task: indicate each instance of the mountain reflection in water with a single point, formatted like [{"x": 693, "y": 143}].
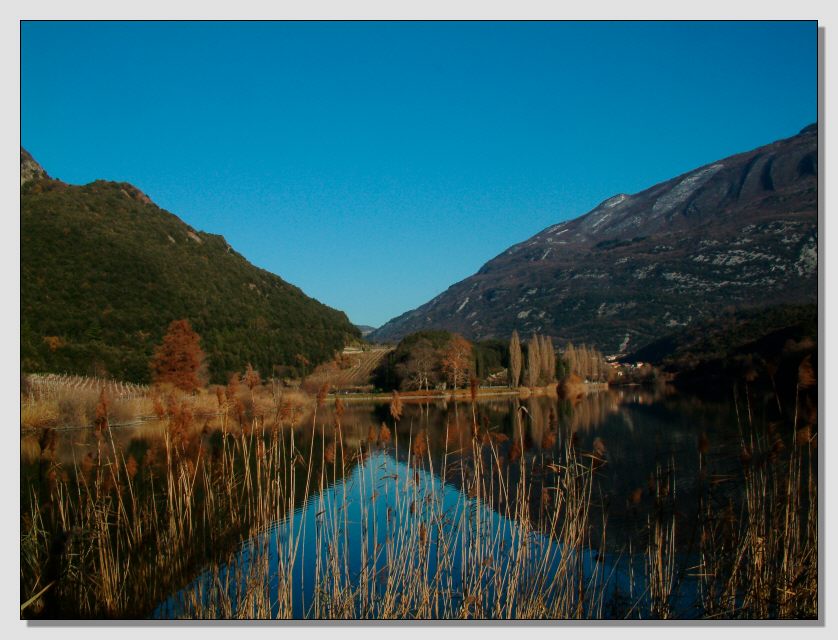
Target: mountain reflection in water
[{"x": 363, "y": 521}]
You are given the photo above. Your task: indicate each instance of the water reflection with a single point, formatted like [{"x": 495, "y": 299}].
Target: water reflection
[{"x": 447, "y": 479}]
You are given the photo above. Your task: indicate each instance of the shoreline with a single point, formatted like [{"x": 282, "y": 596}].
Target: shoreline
[{"x": 464, "y": 394}]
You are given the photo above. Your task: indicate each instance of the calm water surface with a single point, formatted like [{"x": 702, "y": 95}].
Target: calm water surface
[{"x": 637, "y": 436}]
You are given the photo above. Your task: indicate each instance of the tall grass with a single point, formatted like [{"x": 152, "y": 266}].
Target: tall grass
[{"x": 282, "y": 517}]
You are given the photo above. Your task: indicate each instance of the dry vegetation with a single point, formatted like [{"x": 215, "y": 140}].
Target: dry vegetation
[{"x": 114, "y": 533}]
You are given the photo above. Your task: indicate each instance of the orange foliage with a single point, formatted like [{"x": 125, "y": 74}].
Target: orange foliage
[{"x": 179, "y": 360}]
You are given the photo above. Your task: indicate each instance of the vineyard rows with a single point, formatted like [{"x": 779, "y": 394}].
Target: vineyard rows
[{"x": 54, "y": 384}]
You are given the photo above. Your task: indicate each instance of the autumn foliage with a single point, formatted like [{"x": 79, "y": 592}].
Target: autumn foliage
[
  {"x": 179, "y": 360},
  {"x": 456, "y": 361}
]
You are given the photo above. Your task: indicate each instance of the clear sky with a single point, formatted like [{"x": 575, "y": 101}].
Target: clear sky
[{"x": 375, "y": 164}]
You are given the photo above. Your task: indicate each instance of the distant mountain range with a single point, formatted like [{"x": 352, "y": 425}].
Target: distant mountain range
[
  {"x": 364, "y": 329},
  {"x": 104, "y": 271},
  {"x": 738, "y": 233}
]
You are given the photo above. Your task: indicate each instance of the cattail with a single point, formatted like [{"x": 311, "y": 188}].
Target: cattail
[
  {"x": 329, "y": 453},
  {"x": 131, "y": 466},
  {"x": 806, "y": 374},
  {"x": 372, "y": 434},
  {"x": 87, "y": 463},
  {"x": 420, "y": 443},
  {"x": 232, "y": 386},
  {"x": 549, "y": 440},
  {"x": 102, "y": 411},
  {"x": 777, "y": 448},
  {"x": 423, "y": 534},
  {"x": 339, "y": 409},
  {"x": 159, "y": 409},
  {"x": 546, "y": 497},
  {"x": 251, "y": 377},
  {"x": 322, "y": 393},
  {"x": 383, "y": 434},
  {"x": 108, "y": 483},
  {"x": 396, "y": 407},
  {"x": 745, "y": 456},
  {"x": 284, "y": 410},
  {"x": 49, "y": 438},
  {"x": 599, "y": 447}
]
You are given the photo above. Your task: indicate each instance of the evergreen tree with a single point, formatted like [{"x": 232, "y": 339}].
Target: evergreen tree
[{"x": 179, "y": 360}]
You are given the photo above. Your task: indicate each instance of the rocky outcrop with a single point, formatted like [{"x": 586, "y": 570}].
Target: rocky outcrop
[{"x": 29, "y": 169}]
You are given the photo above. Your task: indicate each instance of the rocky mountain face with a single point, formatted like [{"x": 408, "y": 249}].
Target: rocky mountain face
[
  {"x": 104, "y": 271},
  {"x": 29, "y": 169},
  {"x": 737, "y": 233}
]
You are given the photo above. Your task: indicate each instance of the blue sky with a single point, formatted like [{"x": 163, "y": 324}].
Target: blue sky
[{"x": 375, "y": 164}]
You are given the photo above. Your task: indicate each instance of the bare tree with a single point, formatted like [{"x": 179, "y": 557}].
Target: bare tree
[
  {"x": 420, "y": 368},
  {"x": 456, "y": 361}
]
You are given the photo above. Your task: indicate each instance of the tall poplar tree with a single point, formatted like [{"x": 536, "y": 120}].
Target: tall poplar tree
[
  {"x": 533, "y": 361},
  {"x": 548, "y": 355},
  {"x": 514, "y": 360}
]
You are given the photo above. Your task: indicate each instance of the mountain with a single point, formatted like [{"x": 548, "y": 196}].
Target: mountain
[
  {"x": 364, "y": 329},
  {"x": 718, "y": 337},
  {"x": 104, "y": 271},
  {"x": 738, "y": 233}
]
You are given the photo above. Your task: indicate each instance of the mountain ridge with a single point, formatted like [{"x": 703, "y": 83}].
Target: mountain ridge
[
  {"x": 674, "y": 244},
  {"x": 104, "y": 270}
]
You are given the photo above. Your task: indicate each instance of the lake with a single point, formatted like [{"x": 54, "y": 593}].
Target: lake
[{"x": 625, "y": 504}]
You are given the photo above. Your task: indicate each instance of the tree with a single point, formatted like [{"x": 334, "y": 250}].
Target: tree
[
  {"x": 548, "y": 358},
  {"x": 544, "y": 358},
  {"x": 571, "y": 358},
  {"x": 420, "y": 367},
  {"x": 533, "y": 361},
  {"x": 251, "y": 377},
  {"x": 179, "y": 360},
  {"x": 514, "y": 360},
  {"x": 456, "y": 360}
]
